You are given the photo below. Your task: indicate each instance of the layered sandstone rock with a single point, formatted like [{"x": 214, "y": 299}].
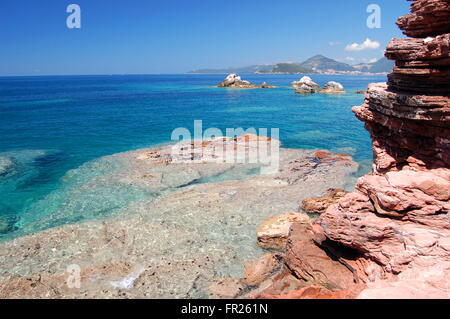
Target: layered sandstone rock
[
  {"x": 398, "y": 218},
  {"x": 427, "y": 18}
]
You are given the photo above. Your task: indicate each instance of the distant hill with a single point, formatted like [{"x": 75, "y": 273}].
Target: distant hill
[
  {"x": 289, "y": 68},
  {"x": 383, "y": 65},
  {"x": 246, "y": 69},
  {"x": 320, "y": 63},
  {"x": 316, "y": 64}
]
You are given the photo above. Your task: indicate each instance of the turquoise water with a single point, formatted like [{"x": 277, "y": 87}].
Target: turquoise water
[{"x": 54, "y": 131}]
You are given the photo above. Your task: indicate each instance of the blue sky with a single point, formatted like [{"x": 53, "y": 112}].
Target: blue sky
[{"x": 147, "y": 36}]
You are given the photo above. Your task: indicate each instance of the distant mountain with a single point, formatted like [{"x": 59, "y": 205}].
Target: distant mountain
[
  {"x": 247, "y": 69},
  {"x": 383, "y": 65},
  {"x": 320, "y": 63},
  {"x": 316, "y": 64},
  {"x": 289, "y": 68}
]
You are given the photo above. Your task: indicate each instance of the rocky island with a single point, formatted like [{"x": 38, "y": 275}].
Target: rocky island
[
  {"x": 235, "y": 81},
  {"x": 307, "y": 86}
]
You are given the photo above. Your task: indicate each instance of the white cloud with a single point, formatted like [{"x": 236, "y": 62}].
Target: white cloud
[
  {"x": 349, "y": 58},
  {"x": 366, "y": 45}
]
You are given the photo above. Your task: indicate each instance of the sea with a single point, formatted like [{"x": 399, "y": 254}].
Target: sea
[{"x": 53, "y": 129}]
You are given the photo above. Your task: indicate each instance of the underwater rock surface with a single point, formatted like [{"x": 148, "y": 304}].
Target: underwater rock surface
[{"x": 194, "y": 224}]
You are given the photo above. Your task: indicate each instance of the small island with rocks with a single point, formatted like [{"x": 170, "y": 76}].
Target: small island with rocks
[{"x": 235, "y": 81}]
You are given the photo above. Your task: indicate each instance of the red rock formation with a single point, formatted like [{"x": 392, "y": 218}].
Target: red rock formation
[
  {"x": 398, "y": 218},
  {"x": 318, "y": 205},
  {"x": 427, "y": 18}
]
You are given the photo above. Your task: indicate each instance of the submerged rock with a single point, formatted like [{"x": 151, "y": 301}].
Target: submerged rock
[
  {"x": 427, "y": 18},
  {"x": 305, "y": 86},
  {"x": 6, "y": 224},
  {"x": 6, "y": 165},
  {"x": 264, "y": 85},
  {"x": 332, "y": 88},
  {"x": 196, "y": 220}
]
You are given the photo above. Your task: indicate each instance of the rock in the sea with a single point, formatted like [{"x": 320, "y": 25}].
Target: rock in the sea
[
  {"x": 235, "y": 81},
  {"x": 274, "y": 231},
  {"x": 306, "y": 80},
  {"x": 332, "y": 87},
  {"x": 261, "y": 269},
  {"x": 305, "y": 86},
  {"x": 264, "y": 85},
  {"x": 318, "y": 205},
  {"x": 6, "y": 165},
  {"x": 304, "y": 89}
]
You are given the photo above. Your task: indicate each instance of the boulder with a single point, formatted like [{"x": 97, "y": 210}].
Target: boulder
[
  {"x": 274, "y": 231},
  {"x": 264, "y": 85},
  {"x": 318, "y": 205},
  {"x": 6, "y": 165},
  {"x": 304, "y": 89}
]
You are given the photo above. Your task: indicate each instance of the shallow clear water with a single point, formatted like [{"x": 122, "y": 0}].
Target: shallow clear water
[{"x": 50, "y": 126}]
